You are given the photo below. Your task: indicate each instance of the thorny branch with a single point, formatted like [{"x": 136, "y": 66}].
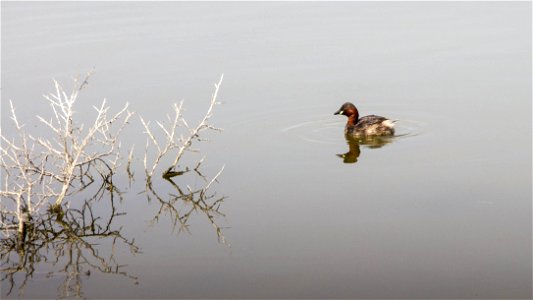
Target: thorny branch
[{"x": 174, "y": 144}]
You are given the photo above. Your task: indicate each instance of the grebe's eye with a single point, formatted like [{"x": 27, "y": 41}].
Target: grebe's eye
[{"x": 341, "y": 112}]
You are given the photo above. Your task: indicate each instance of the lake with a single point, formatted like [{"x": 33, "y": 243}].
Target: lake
[{"x": 442, "y": 210}]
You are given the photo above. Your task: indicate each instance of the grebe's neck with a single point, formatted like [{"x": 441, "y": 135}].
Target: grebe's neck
[{"x": 353, "y": 118}]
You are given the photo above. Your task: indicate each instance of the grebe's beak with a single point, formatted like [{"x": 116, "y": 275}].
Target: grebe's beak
[{"x": 339, "y": 112}]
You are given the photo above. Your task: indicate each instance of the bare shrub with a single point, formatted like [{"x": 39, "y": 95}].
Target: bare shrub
[
  {"x": 51, "y": 184},
  {"x": 39, "y": 171},
  {"x": 177, "y": 138},
  {"x": 40, "y": 177}
]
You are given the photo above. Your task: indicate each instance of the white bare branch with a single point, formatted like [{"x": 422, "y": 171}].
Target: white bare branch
[{"x": 41, "y": 171}]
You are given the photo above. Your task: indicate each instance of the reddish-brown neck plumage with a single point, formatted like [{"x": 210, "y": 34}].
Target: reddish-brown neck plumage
[{"x": 353, "y": 116}]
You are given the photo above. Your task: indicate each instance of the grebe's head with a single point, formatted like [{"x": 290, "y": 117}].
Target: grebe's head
[{"x": 347, "y": 109}]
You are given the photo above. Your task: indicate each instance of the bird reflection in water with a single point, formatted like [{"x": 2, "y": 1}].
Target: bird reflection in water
[{"x": 355, "y": 143}]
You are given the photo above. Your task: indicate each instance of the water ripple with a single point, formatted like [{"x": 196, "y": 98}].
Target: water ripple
[{"x": 323, "y": 130}]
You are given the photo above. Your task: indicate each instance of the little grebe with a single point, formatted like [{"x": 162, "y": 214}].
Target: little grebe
[{"x": 365, "y": 126}]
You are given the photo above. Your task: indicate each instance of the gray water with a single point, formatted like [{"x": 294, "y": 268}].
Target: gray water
[{"x": 442, "y": 211}]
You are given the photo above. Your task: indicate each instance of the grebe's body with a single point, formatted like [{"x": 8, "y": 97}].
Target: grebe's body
[{"x": 365, "y": 126}]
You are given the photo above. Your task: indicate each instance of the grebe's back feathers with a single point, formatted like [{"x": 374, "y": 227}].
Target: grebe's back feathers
[{"x": 371, "y": 125}]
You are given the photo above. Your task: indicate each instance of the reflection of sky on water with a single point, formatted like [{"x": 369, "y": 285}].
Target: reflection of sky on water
[{"x": 445, "y": 212}]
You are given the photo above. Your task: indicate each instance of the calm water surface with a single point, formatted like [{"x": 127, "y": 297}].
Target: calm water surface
[{"x": 442, "y": 211}]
